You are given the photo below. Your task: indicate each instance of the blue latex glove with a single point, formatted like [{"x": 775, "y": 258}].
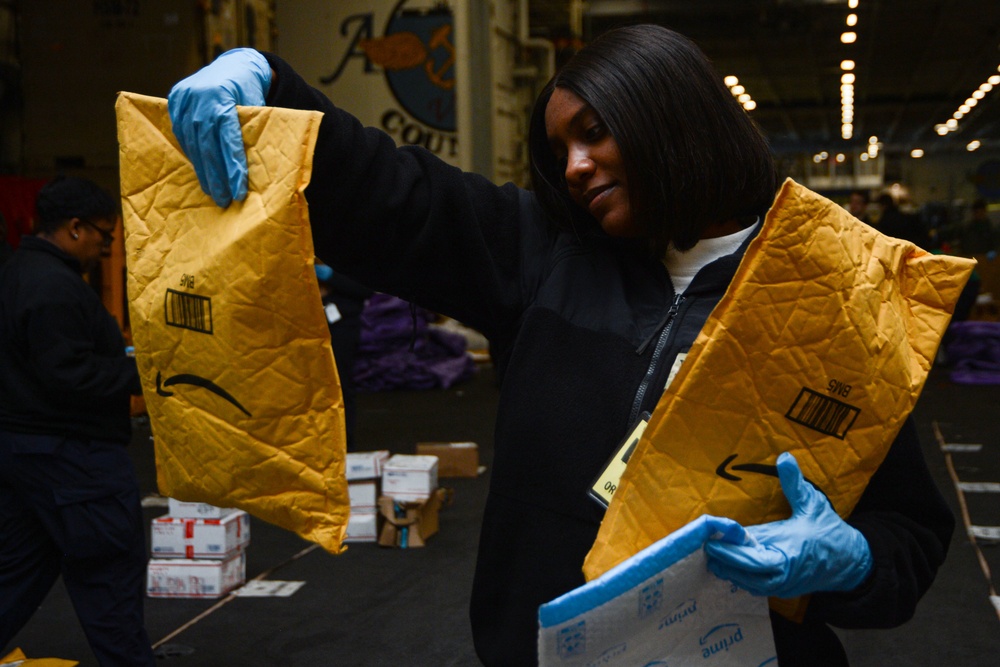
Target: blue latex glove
[
  {"x": 323, "y": 272},
  {"x": 814, "y": 550},
  {"x": 203, "y": 112}
]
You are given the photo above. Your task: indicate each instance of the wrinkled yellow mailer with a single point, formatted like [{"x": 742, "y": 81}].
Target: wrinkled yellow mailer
[
  {"x": 820, "y": 347},
  {"x": 17, "y": 658},
  {"x": 232, "y": 345}
]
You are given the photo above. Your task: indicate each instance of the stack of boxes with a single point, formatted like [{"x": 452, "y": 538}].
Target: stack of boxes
[
  {"x": 197, "y": 551},
  {"x": 410, "y": 500},
  {"x": 364, "y": 473}
]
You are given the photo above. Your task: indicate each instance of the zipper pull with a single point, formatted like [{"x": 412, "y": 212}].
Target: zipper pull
[{"x": 674, "y": 307}]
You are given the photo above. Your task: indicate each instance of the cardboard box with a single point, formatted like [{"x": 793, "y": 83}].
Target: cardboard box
[
  {"x": 363, "y": 495},
  {"x": 180, "y": 509},
  {"x": 187, "y": 578},
  {"x": 410, "y": 478},
  {"x": 409, "y": 524},
  {"x": 200, "y": 538},
  {"x": 365, "y": 465},
  {"x": 363, "y": 526},
  {"x": 455, "y": 459}
]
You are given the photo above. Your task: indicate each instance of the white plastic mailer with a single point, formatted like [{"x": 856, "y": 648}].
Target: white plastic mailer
[{"x": 660, "y": 607}]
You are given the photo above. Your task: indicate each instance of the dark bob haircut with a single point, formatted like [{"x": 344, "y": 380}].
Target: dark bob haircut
[
  {"x": 692, "y": 155},
  {"x": 67, "y": 197}
]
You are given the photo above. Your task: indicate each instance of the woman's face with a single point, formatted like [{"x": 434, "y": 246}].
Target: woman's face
[{"x": 591, "y": 162}]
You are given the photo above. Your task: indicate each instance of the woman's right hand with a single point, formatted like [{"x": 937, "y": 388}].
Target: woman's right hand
[{"x": 203, "y": 113}]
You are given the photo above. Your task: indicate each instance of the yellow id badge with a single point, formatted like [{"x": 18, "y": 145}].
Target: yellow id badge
[{"x": 607, "y": 482}]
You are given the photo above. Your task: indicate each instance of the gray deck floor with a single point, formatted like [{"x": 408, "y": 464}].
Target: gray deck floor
[{"x": 374, "y": 606}]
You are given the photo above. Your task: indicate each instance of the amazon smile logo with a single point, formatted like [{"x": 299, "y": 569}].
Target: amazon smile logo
[
  {"x": 724, "y": 468},
  {"x": 195, "y": 381}
]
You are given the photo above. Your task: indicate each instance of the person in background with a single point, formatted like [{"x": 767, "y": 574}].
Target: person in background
[
  {"x": 69, "y": 497},
  {"x": 5, "y": 250},
  {"x": 978, "y": 236},
  {"x": 894, "y": 222},
  {"x": 857, "y": 205},
  {"x": 343, "y": 302},
  {"x": 649, "y": 182}
]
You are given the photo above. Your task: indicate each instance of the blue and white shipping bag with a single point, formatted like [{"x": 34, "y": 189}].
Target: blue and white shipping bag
[{"x": 661, "y": 607}]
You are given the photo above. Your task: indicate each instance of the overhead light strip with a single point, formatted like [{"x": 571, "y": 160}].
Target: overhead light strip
[
  {"x": 848, "y": 77},
  {"x": 964, "y": 109},
  {"x": 739, "y": 92}
]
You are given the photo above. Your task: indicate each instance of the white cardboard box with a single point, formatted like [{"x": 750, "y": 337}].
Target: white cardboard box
[
  {"x": 184, "y": 510},
  {"x": 365, "y": 465},
  {"x": 187, "y": 578},
  {"x": 362, "y": 526},
  {"x": 363, "y": 494},
  {"x": 199, "y": 538},
  {"x": 409, "y": 477}
]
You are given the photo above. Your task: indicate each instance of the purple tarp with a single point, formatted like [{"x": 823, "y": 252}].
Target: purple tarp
[
  {"x": 399, "y": 350},
  {"x": 973, "y": 350}
]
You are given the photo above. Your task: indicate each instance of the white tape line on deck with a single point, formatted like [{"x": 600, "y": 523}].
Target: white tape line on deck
[
  {"x": 979, "y": 487},
  {"x": 954, "y": 448},
  {"x": 985, "y": 532}
]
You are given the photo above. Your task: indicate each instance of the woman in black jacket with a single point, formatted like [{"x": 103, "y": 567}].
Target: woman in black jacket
[{"x": 649, "y": 181}]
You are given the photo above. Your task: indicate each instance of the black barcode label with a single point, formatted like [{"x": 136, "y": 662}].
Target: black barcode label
[
  {"x": 822, "y": 413},
  {"x": 188, "y": 311}
]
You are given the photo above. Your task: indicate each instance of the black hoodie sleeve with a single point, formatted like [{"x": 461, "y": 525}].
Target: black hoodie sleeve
[{"x": 402, "y": 221}]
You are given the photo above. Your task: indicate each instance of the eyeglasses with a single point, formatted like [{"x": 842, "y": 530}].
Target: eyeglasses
[{"x": 107, "y": 238}]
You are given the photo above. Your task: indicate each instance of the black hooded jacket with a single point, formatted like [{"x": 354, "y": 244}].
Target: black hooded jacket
[{"x": 584, "y": 330}]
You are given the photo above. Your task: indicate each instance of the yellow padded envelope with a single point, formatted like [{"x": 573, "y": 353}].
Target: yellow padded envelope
[
  {"x": 820, "y": 348},
  {"x": 231, "y": 341}
]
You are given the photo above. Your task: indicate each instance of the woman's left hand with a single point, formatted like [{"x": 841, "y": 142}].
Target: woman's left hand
[{"x": 813, "y": 550}]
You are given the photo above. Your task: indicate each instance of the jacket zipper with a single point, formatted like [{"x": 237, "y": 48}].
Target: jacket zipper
[{"x": 661, "y": 342}]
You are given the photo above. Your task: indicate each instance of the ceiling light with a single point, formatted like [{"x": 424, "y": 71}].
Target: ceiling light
[
  {"x": 848, "y": 65},
  {"x": 817, "y": 159},
  {"x": 917, "y": 152},
  {"x": 853, "y": 4},
  {"x": 864, "y": 157},
  {"x": 743, "y": 98},
  {"x": 971, "y": 102},
  {"x": 731, "y": 81},
  {"x": 847, "y": 78},
  {"x": 951, "y": 123},
  {"x": 973, "y": 145},
  {"x": 852, "y": 20},
  {"x": 840, "y": 157},
  {"x": 738, "y": 90},
  {"x": 965, "y": 108},
  {"x": 958, "y": 115},
  {"x": 941, "y": 129},
  {"x": 986, "y": 87},
  {"x": 749, "y": 105},
  {"x": 848, "y": 37},
  {"x": 873, "y": 139},
  {"x": 978, "y": 94},
  {"x": 995, "y": 79}
]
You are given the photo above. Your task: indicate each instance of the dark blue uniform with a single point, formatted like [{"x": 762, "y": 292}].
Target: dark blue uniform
[{"x": 69, "y": 499}]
